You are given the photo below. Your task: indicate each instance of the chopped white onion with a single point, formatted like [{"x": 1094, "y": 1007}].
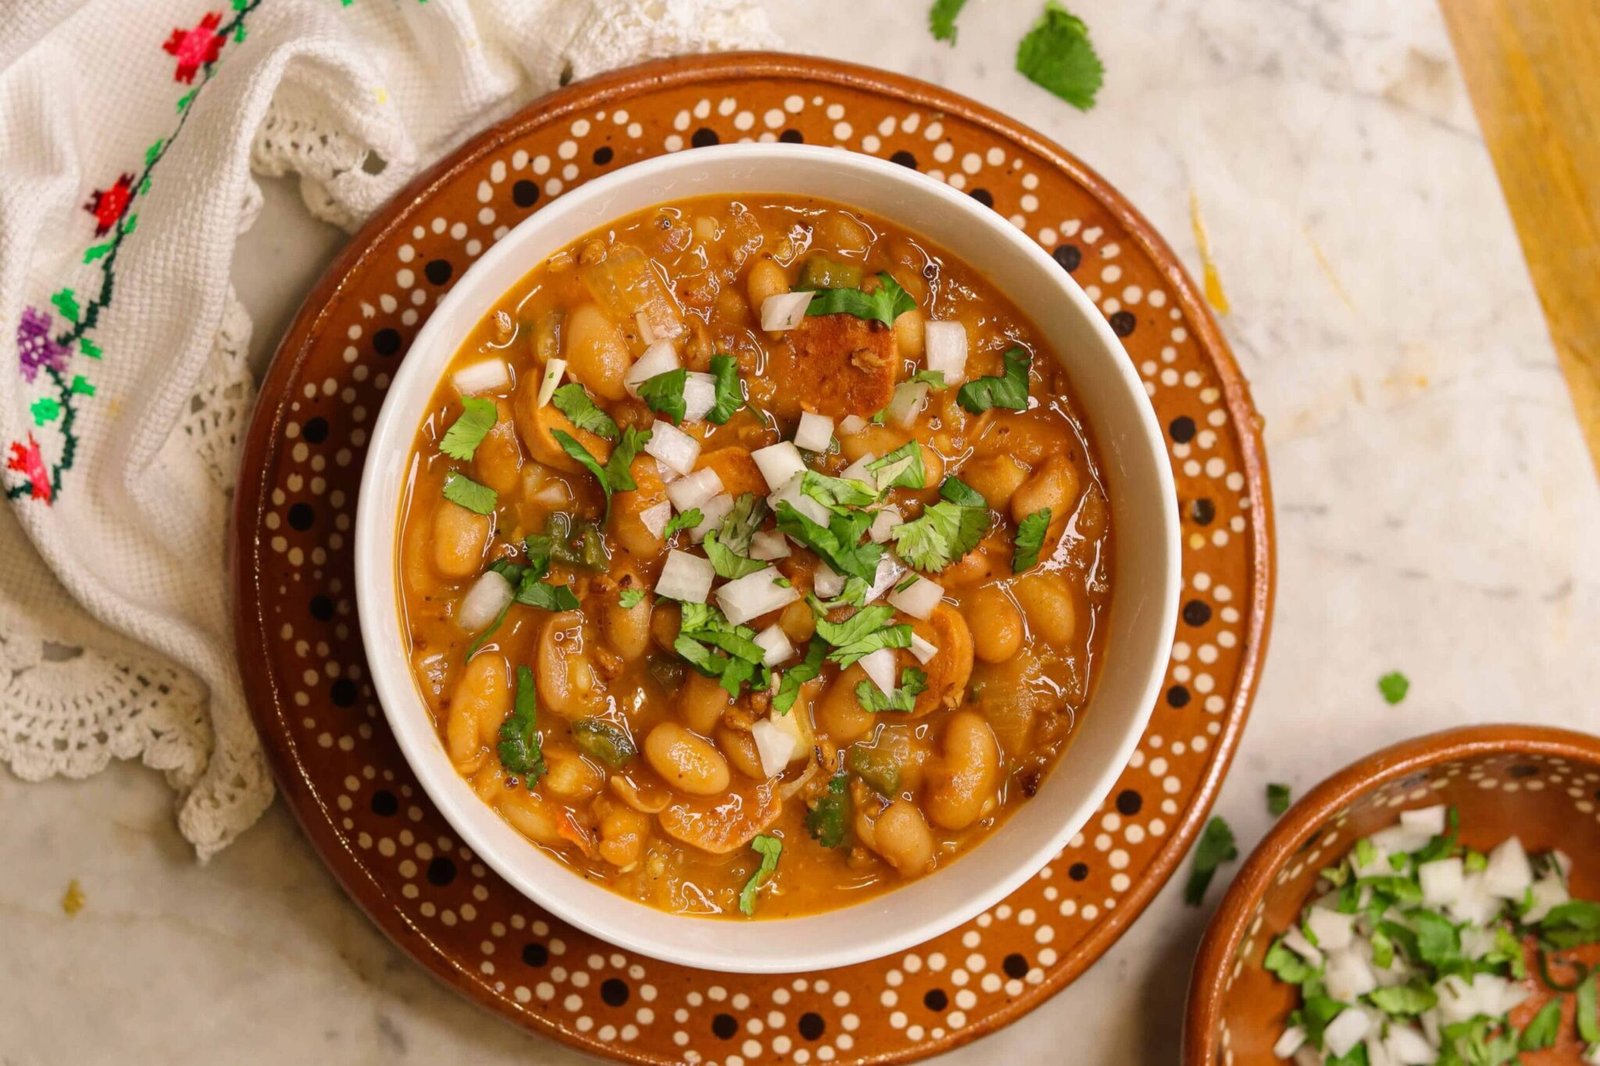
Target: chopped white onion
[
  {"x": 712, "y": 512},
  {"x": 553, "y": 495},
  {"x": 924, "y": 650},
  {"x": 879, "y": 667},
  {"x": 884, "y": 477},
  {"x": 1475, "y": 904},
  {"x": 850, "y": 425},
  {"x": 754, "y": 595},
  {"x": 774, "y": 642},
  {"x": 1592, "y": 1056},
  {"x": 1429, "y": 820},
  {"x": 815, "y": 432},
  {"x": 1292, "y": 1037},
  {"x": 909, "y": 398},
  {"x": 769, "y": 544},
  {"x": 1407, "y": 1046},
  {"x": 692, "y": 490},
  {"x": 1398, "y": 840},
  {"x": 663, "y": 471},
  {"x": 1458, "y": 1001},
  {"x": 554, "y": 370},
  {"x": 885, "y": 577},
  {"x": 483, "y": 602},
  {"x": 785, "y": 310},
  {"x": 920, "y": 599},
  {"x": 857, "y": 471},
  {"x": 827, "y": 582},
  {"x": 1330, "y": 930},
  {"x": 699, "y": 395},
  {"x": 655, "y": 518},
  {"x": 774, "y": 745},
  {"x": 1348, "y": 976},
  {"x": 1377, "y": 866},
  {"x": 884, "y": 523},
  {"x": 1345, "y": 1031},
  {"x": 672, "y": 446},
  {"x": 946, "y": 347},
  {"x": 486, "y": 376},
  {"x": 779, "y": 463},
  {"x": 660, "y": 358},
  {"x": 797, "y": 499},
  {"x": 1509, "y": 874},
  {"x": 1441, "y": 882},
  {"x": 685, "y": 577},
  {"x": 1296, "y": 942},
  {"x": 1548, "y": 892}
]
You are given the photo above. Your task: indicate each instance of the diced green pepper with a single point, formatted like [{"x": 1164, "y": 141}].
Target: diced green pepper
[
  {"x": 603, "y": 740},
  {"x": 820, "y": 272},
  {"x": 877, "y": 766}
]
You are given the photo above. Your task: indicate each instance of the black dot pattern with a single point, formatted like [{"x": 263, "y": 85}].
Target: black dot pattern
[
  {"x": 1078, "y": 871},
  {"x": 1129, "y": 802},
  {"x": 935, "y": 999},
  {"x": 385, "y": 804},
  {"x": 1522, "y": 771},
  {"x": 1177, "y": 696},
  {"x": 983, "y": 196},
  {"x": 602, "y": 155},
  {"x": 812, "y": 1026},
  {"x": 438, "y": 271},
  {"x": 321, "y": 608},
  {"x": 791, "y": 137},
  {"x": 1202, "y": 511},
  {"x": 724, "y": 1027},
  {"x": 704, "y": 138},
  {"x": 1123, "y": 323},
  {"x": 441, "y": 871},
  {"x": 315, "y": 430},
  {"x": 1197, "y": 612},
  {"x": 904, "y": 158},
  {"x": 535, "y": 955},
  {"x": 1068, "y": 256},
  {"x": 386, "y": 342},
  {"x": 1181, "y": 429},
  {"x": 1015, "y": 966},
  {"x": 301, "y": 516},
  {"x": 614, "y": 991},
  {"x": 343, "y": 692},
  {"x": 525, "y": 193}
]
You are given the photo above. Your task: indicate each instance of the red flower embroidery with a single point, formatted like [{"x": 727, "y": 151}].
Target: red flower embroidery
[
  {"x": 108, "y": 205},
  {"x": 195, "y": 48},
  {"x": 26, "y": 459}
]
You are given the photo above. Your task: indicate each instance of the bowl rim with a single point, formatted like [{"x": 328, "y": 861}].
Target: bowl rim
[
  {"x": 374, "y": 530},
  {"x": 1227, "y": 927}
]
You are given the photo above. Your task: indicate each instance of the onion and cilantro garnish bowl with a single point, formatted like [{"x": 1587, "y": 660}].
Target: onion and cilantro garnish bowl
[
  {"x": 755, "y": 533},
  {"x": 1433, "y": 903}
]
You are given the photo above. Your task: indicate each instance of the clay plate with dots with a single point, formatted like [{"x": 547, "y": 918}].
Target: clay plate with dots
[{"x": 342, "y": 773}]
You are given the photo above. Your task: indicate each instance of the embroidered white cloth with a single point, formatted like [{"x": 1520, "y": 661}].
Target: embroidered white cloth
[{"x": 128, "y": 138}]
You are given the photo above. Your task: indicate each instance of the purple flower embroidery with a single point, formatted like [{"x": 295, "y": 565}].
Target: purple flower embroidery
[{"x": 35, "y": 347}]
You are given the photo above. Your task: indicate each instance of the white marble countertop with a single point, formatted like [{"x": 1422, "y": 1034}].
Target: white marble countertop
[{"x": 1436, "y": 514}]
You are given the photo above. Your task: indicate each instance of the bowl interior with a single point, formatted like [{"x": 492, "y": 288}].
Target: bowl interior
[
  {"x": 1145, "y": 575},
  {"x": 1548, "y": 801}
]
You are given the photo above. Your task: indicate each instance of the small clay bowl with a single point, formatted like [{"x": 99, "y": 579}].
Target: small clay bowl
[{"x": 1542, "y": 785}]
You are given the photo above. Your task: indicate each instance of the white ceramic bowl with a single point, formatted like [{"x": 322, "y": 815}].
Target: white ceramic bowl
[{"x": 1145, "y": 577}]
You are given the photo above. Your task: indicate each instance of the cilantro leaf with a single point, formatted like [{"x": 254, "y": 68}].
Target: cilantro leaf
[
  {"x": 1057, "y": 55},
  {"x": 1394, "y": 686},
  {"x": 1588, "y": 1010},
  {"x": 614, "y": 476},
  {"x": 572, "y": 401},
  {"x": 1572, "y": 923},
  {"x": 913, "y": 683},
  {"x": 545, "y": 595},
  {"x": 1009, "y": 390},
  {"x": 600, "y": 739},
  {"x": 1286, "y": 965},
  {"x": 798, "y": 674},
  {"x": 942, "y": 19},
  {"x": 1541, "y": 1033},
  {"x": 727, "y": 562},
  {"x": 1030, "y": 539},
  {"x": 519, "y": 748},
  {"x": 828, "y": 822},
  {"x": 686, "y": 520},
  {"x": 1404, "y": 1000},
  {"x": 906, "y": 461},
  {"x": 728, "y": 396},
  {"x": 839, "y": 542},
  {"x": 862, "y": 633},
  {"x": 467, "y": 432},
  {"x": 628, "y": 599},
  {"x": 836, "y": 492},
  {"x": 960, "y": 493},
  {"x": 461, "y": 490},
  {"x": 738, "y": 529},
  {"x": 945, "y": 531},
  {"x": 663, "y": 393},
  {"x": 1216, "y": 847},
  {"x": 718, "y": 648},
  {"x": 769, "y": 848},
  {"x": 884, "y": 304},
  {"x": 1278, "y": 798},
  {"x": 933, "y": 378}
]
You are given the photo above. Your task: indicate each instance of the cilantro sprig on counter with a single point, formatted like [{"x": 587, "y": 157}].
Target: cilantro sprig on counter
[
  {"x": 1056, "y": 54},
  {"x": 1216, "y": 847},
  {"x": 942, "y": 19}
]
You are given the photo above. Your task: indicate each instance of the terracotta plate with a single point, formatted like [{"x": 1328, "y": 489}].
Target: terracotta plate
[{"x": 342, "y": 773}]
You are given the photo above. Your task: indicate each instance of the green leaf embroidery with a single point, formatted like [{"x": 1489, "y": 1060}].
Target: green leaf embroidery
[
  {"x": 96, "y": 251},
  {"x": 89, "y": 348},
  {"x": 45, "y": 409},
  {"x": 66, "y": 301},
  {"x": 82, "y": 386}
]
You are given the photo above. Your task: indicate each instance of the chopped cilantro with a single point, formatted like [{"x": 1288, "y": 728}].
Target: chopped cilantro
[
  {"x": 1571, "y": 924},
  {"x": 630, "y": 598},
  {"x": 1588, "y": 1012},
  {"x": 933, "y": 378},
  {"x": 1394, "y": 686},
  {"x": 738, "y": 529},
  {"x": 829, "y": 821},
  {"x": 798, "y": 674},
  {"x": 836, "y": 492},
  {"x": 603, "y": 740},
  {"x": 960, "y": 493},
  {"x": 942, "y": 19},
  {"x": 1406, "y": 1000},
  {"x": 727, "y": 562},
  {"x": 1030, "y": 539},
  {"x": 1057, "y": 55},
  {"x": 614, "y": 476},
  {"x": 687, "y": 520},
  {"x": 1541, "y": 1033},
  {"x": 572, "y": 401},
  {"x": 544, "y": 594},
  {"x": 1277, "y": 799},
  {"x": 769, "y": 848},
  {"x": 839, "y": 542},
  {"x": 1286, "y": 965},
  {"x": 728, "y": 395},
  {"x": 461, "y": 490},
  {"x": 663, "y": 393},
  {"x": 519, "y": 747},
  {"x": 1216, "y": 847},
  {"x": 884, "y": 304},
  {"x": 467, "y": 432},
  {"x": 862, "y": 633},
  {"x": 906, "y": 461},
  {"x": 945, "y": 531},
  {"x": 718, "y": 648},
  {"x": 913, "y": 683},
  {"x": 1008, "y": 390}
]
